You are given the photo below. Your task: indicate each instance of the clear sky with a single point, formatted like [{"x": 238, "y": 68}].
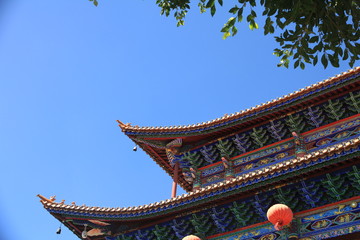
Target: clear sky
[{"x": 69, "y": 70}]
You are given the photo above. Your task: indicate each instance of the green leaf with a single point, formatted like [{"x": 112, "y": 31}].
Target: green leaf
[
  {"x": 240, "y": 12},
  {"x": 272, "y": 11},
  {"x": 277, "y": 52},
  {"x": 315, "y": 60},
  {"x": 296, "y": 64},
  {"x": 210, "y": 3},
  {"x": 352, "y": 61},
  {"x": 333, "y": 60},
  {"x": 357, "y": 47},
  {"x": 302, "y": 65},
  {"x": 249, "y": 18},
  {"x": 233, "y": 10},
  {"x": 266, "y": 30},
  {"x": 228, "y": 25},
  {"x": 306, "y": 58},
  {"x": 314, "y": 39},
  {"x": 251, "y": 26},
  {"x": 253, "y": 13},
  {"x": 226, "y": 35},
  {"x": 234, "y": 30},
  {"x": 272, "y": 29},
  {"x": 286, "y": 63},
  {"x": 220, "y": 2},
  {"x": 180, "y": 23},
  {"x": 231, "y": 21},
  {"x": 96, "y": 3},
  {"x": 305, "y": 44},
  {"x": 280, "y": 23},
  {"x": 324, "y": 60},
  {"x": 226, "y": 28},
  {"x": 213, "y": 10},
  {"x": 336, "y": 63},
  {"x": 339, "y": 51}
]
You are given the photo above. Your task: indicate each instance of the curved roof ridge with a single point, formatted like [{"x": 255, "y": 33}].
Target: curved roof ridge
[
  {"x": 209, "y": 190},
  {"x": 233, "y": 116}
]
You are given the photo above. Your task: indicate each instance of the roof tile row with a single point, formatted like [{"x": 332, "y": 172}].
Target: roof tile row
[{"x": 257, "y": 174}]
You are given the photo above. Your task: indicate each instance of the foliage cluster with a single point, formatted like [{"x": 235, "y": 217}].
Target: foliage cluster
[{"x": 307, "y": 30}]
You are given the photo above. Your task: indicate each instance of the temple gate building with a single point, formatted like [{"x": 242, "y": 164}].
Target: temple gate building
[{"x": 301, "y": 150}]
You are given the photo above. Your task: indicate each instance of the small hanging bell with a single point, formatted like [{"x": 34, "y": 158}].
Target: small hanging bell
[{"x": 84, "y": 233}]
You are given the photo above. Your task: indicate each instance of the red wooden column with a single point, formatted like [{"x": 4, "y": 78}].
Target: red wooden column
[{"x": 175, "y": 180}]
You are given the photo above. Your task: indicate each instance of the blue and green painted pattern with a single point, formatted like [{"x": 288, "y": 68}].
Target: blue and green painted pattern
[
  {"x": 331, "y": 135},
  {"x": 333, "y": 129},
  {"x": 305, "y": 120},
  {"x": 341, "y": 219}
]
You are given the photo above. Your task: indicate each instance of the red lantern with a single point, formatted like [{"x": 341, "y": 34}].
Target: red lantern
[
  {"x": 279, "y": 215},
  {"x": 191, "y": 237}
]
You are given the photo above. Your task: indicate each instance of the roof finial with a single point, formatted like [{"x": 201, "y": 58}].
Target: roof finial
[
  {"x": 121, "y": 124},
  {"x": 44, "y": 199}
]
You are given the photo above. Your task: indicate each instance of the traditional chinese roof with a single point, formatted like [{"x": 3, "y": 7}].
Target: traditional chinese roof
[
  {"x": 331, "y": 146},
  {"x": 156, "y": 141},
  {"x": 125, "y": 219}
]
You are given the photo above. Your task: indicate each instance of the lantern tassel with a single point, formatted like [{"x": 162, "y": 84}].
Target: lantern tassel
[{"x": 278, "y": 225}]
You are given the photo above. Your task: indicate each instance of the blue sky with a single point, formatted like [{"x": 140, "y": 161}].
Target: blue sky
[{"x": 69, "y": 70}]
